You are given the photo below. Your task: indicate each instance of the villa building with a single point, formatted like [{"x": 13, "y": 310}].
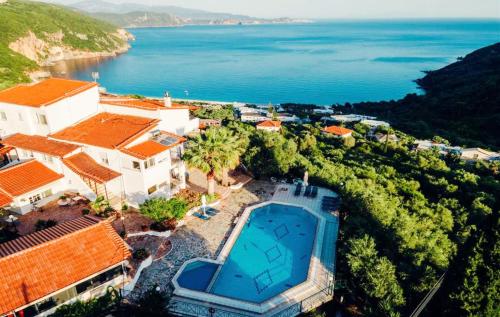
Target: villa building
[
  {"x": 476, "y": 154},
  {"x": 76, "y": 260},
  {"x": 337, "y": 131},
  {"x": 122, "y": 148},
  {"x": 269, "y": 125}
]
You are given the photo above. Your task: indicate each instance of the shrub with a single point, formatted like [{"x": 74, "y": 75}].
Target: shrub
[
  {"x": 140, "y": 254},
  {"x": 44, "y": 224},
  {"x": 99, "y": 306},
  {"x": 160, "y": 209},
  {"x": 85, "y": 211}
]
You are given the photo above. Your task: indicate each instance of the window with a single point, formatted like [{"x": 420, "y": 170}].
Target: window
[
  {"x": 104, "y": 158},
  {"x": 149, "y": 163},
  {"x": 151, "y": 189},
  {"x": 41, "y": 119},
  {"x": 46, "y": 304},
  {"x": 99, "y": 279},
  {"x": 35, "y": 198},
  {"x": 47, "y": 193},
  {"x": 3, "y": 116},
  {"x": 20, "y": 116},
  {"x": 136, "y": 165},
  {"x": 47, "y": 158}
]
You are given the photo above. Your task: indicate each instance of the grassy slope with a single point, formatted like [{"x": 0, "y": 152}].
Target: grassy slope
[{"x": 18, "y": 17}]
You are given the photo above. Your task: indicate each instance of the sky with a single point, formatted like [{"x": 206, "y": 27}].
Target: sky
[{"x": 350, "y": 9}]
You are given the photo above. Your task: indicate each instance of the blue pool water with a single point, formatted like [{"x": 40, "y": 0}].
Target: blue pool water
[
  {"x": 197, "y": 275},
  {"x": 323, "y": 62},
  {"x": 271, "y": 255}
]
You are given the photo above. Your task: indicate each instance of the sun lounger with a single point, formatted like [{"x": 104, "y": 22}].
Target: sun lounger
[
  {"x": 307, "y": 192},
  {"x": 201, "y": 216},
  {"x": 298, "y": 189},
  {"x": 314, "y": 192}
]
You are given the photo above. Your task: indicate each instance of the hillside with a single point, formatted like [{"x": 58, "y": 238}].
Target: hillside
[
  {"x": 141, "y": 15},
  {"x": 139, "y": 19},
  {"x": 34, "y": 34},
  {"x": 461, "y": 102}
]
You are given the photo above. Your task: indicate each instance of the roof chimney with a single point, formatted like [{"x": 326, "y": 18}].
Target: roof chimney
[{"x": 167, "y": 100}]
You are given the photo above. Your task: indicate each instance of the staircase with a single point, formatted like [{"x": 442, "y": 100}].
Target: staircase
[{"x": 100, "y": 190}]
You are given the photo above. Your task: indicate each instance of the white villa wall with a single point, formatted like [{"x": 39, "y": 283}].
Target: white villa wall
[
  {"x": 21, "y": 204},
  {"x": 153, "y": 114},
  {"x": 74, "y": 183},
  {"x": 175, "y": 121},
  {"x": 70, "y": 110},
  {"x": 21, "y": 119}
]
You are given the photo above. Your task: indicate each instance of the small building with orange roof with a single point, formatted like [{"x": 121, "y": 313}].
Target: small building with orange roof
[
  {"x": 337, "y": 131},
  {"x": 28, "y": 183},
  {"x": 47, "y": 106},
  {"x": 269, "y": 125},
  {"x": 75, "y": 260}
]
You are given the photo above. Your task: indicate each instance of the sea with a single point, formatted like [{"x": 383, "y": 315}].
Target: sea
[{"x": 322, "y": 63}]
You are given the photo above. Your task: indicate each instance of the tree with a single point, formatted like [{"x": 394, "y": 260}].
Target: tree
[
  {"x": 99, "y": 205},
  {"x": 374, "y": 275},
  {"x": 213, "y": 152}
]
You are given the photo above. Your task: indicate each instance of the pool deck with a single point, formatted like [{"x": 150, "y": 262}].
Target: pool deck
[
  {"x": 316, "y": 290},
  {"x": 201, "y": 238}
]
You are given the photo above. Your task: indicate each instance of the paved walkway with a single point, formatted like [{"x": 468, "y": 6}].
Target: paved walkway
[{"x": 201, "y": 238}]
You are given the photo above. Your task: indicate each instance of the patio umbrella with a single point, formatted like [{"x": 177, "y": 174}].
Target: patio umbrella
[
  {"x": 306, "y": 178},
  {"x": 203, "y": 204}
]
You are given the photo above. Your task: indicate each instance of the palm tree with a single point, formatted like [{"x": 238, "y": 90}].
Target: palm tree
[{"x": 214, "y": 153}]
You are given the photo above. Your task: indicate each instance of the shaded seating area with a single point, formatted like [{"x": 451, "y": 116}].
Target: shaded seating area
[
  {"x": 298, "y": 190},
  {"x": 311, "y": 191},
  {"x": 330, "y": 203}
]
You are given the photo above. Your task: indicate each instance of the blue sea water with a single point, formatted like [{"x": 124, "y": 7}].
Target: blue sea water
[{"x": 322, "y": 62}]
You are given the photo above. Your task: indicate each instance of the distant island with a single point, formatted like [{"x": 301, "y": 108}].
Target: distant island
[{"x": 134, "y": 15}]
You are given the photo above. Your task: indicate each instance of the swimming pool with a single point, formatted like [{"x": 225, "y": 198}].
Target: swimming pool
[{"x": 271, "y": 255}]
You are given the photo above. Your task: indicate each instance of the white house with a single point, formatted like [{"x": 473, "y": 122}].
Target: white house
[
  {"x": 122, "y": 148},
  {"x": 475, "y": 154},
  {"x": 375, "y": 123},
  {"x": 346, "y": 118},
  {"x": 337, "y": 131}
]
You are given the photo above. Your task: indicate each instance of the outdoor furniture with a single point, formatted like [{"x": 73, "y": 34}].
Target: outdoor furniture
[
  {"x": 308, "y": 190},
  {"x": 314, "y": 192},
  {"x": 199, "y": 215},
  {"x": 298, "y": 189}
]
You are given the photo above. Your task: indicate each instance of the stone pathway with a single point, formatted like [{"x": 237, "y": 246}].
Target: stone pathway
[{"x": 201, "y": 238}]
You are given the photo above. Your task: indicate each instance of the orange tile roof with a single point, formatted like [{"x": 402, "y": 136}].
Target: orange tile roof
[
  {"x": 5, "y": 199},
  {"x": 84, "y": 165},
  {"x": 144, "y": 104},
  {"x": 107, "y": 130},
  {"x": 40, "y": 264},
  {"x": 151, "y": 148},
  {"x": 145, "y": 149},
  {"x": 337, "y": 130},
  {"x": 26, "y": 177},
  {"x": 45, "y": 92},
  {"x": 40, "y": 144},
  {"x": 270, "y": 124}
]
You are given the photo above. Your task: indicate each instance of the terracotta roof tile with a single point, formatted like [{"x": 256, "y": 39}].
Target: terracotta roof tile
[
  {"x": 145, "y": 149},
  {"x": 44, "y": 93},
  {"x": 337, "y": 130},
  {"x": 25, "y": 177},
  {"x": 42, "y": 263},
  {"x": 40, "y": 144},
  {"x": 107, "y": 130},
  {"x": 270, "y": 124},
  {"x": 151, "y": 148},
  {"x": 84, "y": 165},
  {"x": 144, "y": 104},
  {"x": 5, "y": 199}
]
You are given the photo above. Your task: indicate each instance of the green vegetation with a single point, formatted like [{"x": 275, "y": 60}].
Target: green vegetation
[
  {"x": 461, "y": 102},
  {"x": 407, "y": 217},
  {"x": 214, "y": 152},
  {"x": 215, "y": 112},
  {"x": 19, "y": 17},
  {"x": 99, "y": 306},
  {"x": 160, "y": 209}
]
